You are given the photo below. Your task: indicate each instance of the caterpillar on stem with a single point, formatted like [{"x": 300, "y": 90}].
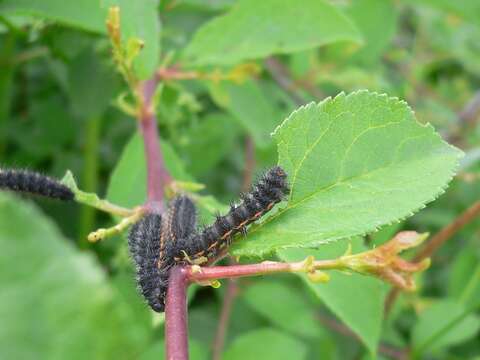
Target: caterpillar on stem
[{"x": 159, "y": 242}]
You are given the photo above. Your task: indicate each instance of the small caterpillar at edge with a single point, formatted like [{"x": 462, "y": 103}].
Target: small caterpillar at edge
[{"x": 27, "y": 181}]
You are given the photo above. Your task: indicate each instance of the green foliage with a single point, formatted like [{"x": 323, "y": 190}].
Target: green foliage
[
  {"x": 127, "y": 183},
  {"x": 258, "y": 120},
  {"x": 359, "y": 166},
  {"x": 84, "y": 14},
  {"x": 292, "y": 313},
  {"x": 377, "y": 21},
  {"x": 444, "y": 324},
  {"x": 54, "y": 289},
  {"x": 265, "y": 344},
  {"x": 139, "y": 20},
  {"x": 91, "y": 84},
  {"x": 278, "y": 26}
]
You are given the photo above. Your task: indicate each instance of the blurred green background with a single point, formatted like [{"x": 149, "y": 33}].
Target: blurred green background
[{"x": 62, "y": 297}]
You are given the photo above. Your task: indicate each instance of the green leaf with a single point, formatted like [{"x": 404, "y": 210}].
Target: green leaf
[
  {"x": 444, "y": 324},
  {"x": 256, "y": 29},
  {"x": 87, "y": 198},
  {"x": 216, "y": 128},
  {"x": 128, "y": 181},
  {"x": 377, "y": 21},
  {"x": 84, "y": 14},
  {"x": 355, "y": 163},
  {"x": 357, "y": 300},
  {"x": 259, "y": 120},
  {"x": 47, "y": 130},
  {"x": 292, "y": 314},
  {"x": 56, "y": 303},
  {"x": 91, "y": 84},
  {"x": 265, "y": 344},
  {"x": 140, "y": 19},
  {"x": 464, "y": 277}
]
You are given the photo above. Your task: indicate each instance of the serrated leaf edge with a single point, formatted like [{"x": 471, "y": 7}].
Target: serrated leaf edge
[{"x": 312, "y": 245}]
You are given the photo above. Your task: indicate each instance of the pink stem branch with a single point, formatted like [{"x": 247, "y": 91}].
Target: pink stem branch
[
  {"x": 176, "y": 333},
  {"x": 176, "y": 330},
  {"x": 204, "y": 274},
  {"x": 157, "y": 175}
]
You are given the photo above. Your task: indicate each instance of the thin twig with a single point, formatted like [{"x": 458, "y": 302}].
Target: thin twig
[
  {"x": 471, "y": 111},
  {"x": 283, "y": 78},
  {"x": 466, "y": 119},
  {"x": 436, "y": 242},
  {"x": 205, "y": 274},
  {"x": 447, "y": 232},
  {"x": 223, "y": 322},
  {"x": 102, "y": 233},
  {"x": 175, "y": 73}
]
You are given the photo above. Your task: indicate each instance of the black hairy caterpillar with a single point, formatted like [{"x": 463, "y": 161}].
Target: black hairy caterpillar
[
  {"x": 34, "y": 183},
  {"x": 157, "y": 243},
  {"x": 144, "y": 246},
  {"x": 201, "y": 247},
  {"x": 147, "y": 242}
]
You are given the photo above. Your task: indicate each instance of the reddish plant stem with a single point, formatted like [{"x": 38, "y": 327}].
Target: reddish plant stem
[
  {"x": 157, "y": 175},
  {"x": 205, "y": 274},
  {"x": 447, "y": 232},
  {"x": 176, "y": 328},
  {"x": 436, "y": 242},
  {"x": 175, "y": 73},
  {"x": 223, "y": 322}
]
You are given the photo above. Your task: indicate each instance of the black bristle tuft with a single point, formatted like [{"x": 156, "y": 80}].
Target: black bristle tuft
[
  {"x": 269, "y": 190},
  {"x": 34, "y": 183},
  {"x": 144, "y": 246}
]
